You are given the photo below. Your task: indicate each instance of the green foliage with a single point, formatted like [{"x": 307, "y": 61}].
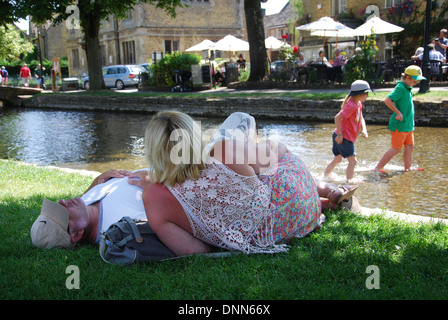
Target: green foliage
[
  {"x": 164, "y": 69},
  {"x": 13, "y": 43},
  {"x": 361, "y": 67},
  {"x": 13, "y": 67},
  {"x": 411, "y": 16}
]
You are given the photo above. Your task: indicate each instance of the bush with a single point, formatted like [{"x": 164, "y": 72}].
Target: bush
[
  {"x": 13, "y": 67},
  {"x": 164, "y": 69},
  {"x": 361, "y": 66}
]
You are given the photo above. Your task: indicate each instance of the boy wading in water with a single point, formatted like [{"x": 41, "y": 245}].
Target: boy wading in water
[{"x": 401, "y": 123}]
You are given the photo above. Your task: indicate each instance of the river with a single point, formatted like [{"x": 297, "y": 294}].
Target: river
[{"x": 99, "y": 141}]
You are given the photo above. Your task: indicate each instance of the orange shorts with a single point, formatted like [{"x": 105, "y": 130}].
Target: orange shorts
[{"x": 402, "y": 138}]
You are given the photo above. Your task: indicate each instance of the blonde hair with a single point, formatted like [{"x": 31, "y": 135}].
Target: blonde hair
[
  {"x": 173, "y": 148},
  {"x": 356, "y": 98}
]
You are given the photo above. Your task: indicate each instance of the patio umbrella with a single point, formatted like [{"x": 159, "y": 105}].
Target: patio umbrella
[
  {"x": 377, "y": 25},
  {"x": 324, "y": 24},
  {"x": 231, "y": 43},
  {"x": 343, "y": 33},
  {"x": 274, "y": 44},
  {"x": 204, "y": 45}
]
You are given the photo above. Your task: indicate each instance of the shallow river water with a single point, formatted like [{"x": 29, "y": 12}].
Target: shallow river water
[{"x": 100, "y": 141}]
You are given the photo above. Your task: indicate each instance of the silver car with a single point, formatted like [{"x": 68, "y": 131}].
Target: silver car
[{"x": 119, "y": 76}]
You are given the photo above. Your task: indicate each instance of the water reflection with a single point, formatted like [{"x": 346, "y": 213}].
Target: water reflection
[{"x": 99, "y": 141}]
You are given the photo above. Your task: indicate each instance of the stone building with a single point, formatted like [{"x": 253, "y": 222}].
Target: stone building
[
  {"x": 349, "y": 12},
  {"x": 149, "y": 33}
]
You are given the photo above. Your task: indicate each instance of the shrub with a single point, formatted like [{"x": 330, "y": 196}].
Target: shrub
[
  {"x": 361, "y": 66},
  {"x": 164, "y": 69}
]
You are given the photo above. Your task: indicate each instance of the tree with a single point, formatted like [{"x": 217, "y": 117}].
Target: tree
[
  {"x": 14, "y": 44},
  {"x": 256, "y": 37},
  {"x": 88, "y": 14}
]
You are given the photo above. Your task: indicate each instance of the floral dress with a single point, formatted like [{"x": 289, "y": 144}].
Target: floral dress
[{"x": 295, "y": 202}]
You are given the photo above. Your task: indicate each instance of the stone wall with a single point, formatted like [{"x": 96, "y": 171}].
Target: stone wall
[{"x": 426, "y": 113}]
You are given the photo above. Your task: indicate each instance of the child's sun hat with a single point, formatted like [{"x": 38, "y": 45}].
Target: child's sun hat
[
  {"x": 359, "y": 87},
  {"x": 415, "y": 72}
]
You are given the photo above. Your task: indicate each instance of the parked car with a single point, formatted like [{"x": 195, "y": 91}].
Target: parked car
[
  {"x": 278, "y": 66},
  {"x": 118, "y": 76}
]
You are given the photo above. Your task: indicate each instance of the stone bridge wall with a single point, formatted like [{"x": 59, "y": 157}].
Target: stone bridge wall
[{"x": 426, "y": 113}]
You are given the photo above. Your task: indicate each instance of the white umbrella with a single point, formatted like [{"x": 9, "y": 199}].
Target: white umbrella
[
  {"x": 343, "y": 33},
  {"x": 324, "y": 24},
  {"x": 204, "y": 45},
  {"x": 274, "y": 44},
  {"x": 376, "y": 25},
  {"x": 231, "y": 43}
]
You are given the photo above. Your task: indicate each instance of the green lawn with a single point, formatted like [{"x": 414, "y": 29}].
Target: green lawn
[{"x": 409, "y": 260}]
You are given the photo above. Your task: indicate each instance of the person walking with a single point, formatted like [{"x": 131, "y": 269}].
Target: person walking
[
  {"x": 401, "y": 123},
  {"x": 38, "y": 75},
  {"x": 348, "y": 122},
  {"x": 25, "y": 74},
  {"x": 4, "y": 74}
]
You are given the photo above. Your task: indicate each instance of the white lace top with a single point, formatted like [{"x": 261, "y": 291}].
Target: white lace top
[{"x": 229, "y": 210}]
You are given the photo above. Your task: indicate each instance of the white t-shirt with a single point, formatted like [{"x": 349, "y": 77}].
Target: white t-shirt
[{"x": 118, "y": 199}]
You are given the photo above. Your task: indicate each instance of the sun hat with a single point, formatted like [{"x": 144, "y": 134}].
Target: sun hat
[
  {"x": 50, "y": 228},
  {"x": 359, "y": 87},
  {"x": 415, "y": 72}
]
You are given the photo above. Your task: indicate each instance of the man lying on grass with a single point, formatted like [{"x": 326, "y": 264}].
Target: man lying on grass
[{"x": 81, "y": 220}]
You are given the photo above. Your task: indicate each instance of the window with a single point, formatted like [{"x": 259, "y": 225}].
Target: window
[
  {"x": 127, "y": 20},
  {"x": 171, "y": 46},
  {"x": 75, "y": 58},
  {"x": 128, "y": 16},
  {"x": 129, "y": 52},
  {"x": 391, "y": 3},
  {"x": 339, "y": 6}
]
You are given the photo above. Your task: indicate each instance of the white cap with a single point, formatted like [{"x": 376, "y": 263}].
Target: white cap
[{"x": 50, "y": 228}]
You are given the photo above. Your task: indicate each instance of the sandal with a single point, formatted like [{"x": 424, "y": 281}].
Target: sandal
[
  {"x": 351, "y": 205},
  {"x": 347, "y": 193}
]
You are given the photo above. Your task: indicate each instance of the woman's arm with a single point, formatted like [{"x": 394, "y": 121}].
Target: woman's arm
[
  {"x": 168, "y": 220},
  {"x": 113, "y": 173}
]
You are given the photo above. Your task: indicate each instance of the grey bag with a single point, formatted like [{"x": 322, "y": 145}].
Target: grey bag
[{"x": 131, "y": 241}]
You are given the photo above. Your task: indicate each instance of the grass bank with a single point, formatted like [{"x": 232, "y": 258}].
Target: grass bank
[
  {"x": 408, "y": 259},
  {"x": 325, "y": 94}
]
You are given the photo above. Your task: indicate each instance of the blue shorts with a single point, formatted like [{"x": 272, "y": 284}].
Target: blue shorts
[
  {"x": 345, "y": 149},
  {"x": 39, "y": 81}
]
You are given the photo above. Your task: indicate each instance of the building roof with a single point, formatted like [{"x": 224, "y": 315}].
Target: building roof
[{"x": 278, "y": 20}]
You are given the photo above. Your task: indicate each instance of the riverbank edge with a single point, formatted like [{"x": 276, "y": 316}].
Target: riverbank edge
[
  {"x": 406, "y": 217},
  {"x": 427, "y": 113}
]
